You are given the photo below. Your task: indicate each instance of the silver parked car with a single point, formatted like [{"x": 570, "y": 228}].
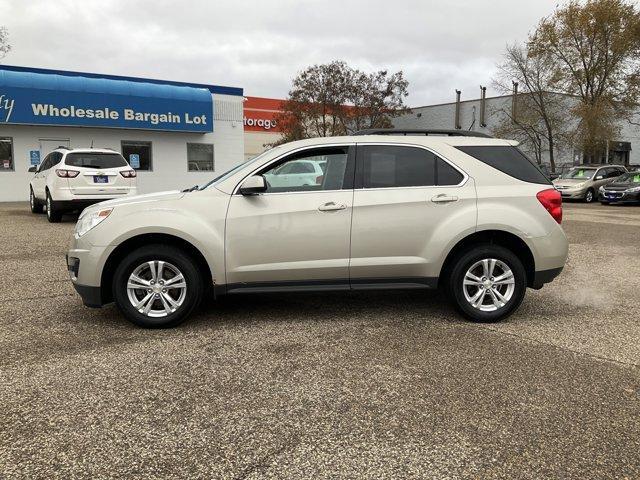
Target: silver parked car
[
  {"x": 464, "y": 212},
  {"x": 583, "y": 182}
]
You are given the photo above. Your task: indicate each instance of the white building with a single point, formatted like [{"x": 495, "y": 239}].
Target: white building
[
  {"x": 625, "y": 150},
  {"x": 174, "y": 134}
]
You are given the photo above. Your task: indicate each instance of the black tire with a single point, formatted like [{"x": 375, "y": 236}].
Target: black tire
[
  {"x": 54, "y": 215},
  {"x": 590, "y": 196},
  {"x": 34, "y": 204},
  {"x": 466, "y": 260},
  {"x": 183, "y": 262}
]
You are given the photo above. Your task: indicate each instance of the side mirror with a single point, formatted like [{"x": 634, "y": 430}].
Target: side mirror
[
  {"x": 599, "y": 177},
  {"x": 253, "y": 185},
  {"x": 33, "y": 169}
]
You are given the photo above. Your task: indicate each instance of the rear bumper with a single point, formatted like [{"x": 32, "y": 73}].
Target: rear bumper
[
  {"x": 65, "y": 199},
  {"x": 545, "y": 276},
  {"x": 79, "y": 204}
]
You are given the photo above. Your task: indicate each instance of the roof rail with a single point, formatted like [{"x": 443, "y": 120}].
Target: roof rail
[
  {"x": 62, "y": 147},
  {"x": 403, "y": 131}
]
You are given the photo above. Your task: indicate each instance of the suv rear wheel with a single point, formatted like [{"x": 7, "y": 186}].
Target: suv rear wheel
[
  {"x": 487, "y": 283},
  {"x": 53, "y": 214},
  {"x": 157, "y": 286}
]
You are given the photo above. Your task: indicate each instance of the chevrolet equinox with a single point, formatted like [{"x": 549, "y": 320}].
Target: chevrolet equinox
[{"x": 386, "y": 209}]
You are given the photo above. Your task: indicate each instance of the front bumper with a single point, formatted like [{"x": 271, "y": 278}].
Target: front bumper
[
  {"x": 619, "y": 197},
  {"x": 91, "y": 296},
  {"x": 573, "y": 194}
]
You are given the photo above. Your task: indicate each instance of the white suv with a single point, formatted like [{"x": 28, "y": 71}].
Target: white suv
[
  {"x": 72, "y": 179},
  {"x": 467, "y": 213}
]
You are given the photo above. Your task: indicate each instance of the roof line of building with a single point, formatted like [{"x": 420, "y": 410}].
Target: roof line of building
[
  {"x": 219, "y": 89},
  {"x": 487, "y": 98}
]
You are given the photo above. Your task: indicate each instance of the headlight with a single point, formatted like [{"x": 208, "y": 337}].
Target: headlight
[
  {"x": 633, "y": 190},
  {"x": 89, "y": 220}
]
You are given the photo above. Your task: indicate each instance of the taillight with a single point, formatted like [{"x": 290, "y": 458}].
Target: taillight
[
  {"x": 67, "y": 173},
  {"x": 551, "y": 200},
  {"x": 128, "y": 173},
  {"x": 319, "y": 180}
]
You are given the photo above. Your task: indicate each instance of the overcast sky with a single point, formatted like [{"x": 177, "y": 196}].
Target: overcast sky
[{"x": 261, "y": 45}]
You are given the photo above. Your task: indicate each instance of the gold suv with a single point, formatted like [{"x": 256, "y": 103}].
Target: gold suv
[{"x": 385, "y": 209}]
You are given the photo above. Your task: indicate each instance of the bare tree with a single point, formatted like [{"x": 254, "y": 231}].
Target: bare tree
[
  {"x": 542, "y": 116},
  {"x": 335, "y": 99},
  {"x": 5, "y": 47},
  {"x": 594, "y": 47}
]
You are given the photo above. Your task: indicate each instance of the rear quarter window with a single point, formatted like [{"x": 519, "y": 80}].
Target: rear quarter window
[
  {"x": 509, "y": 160},
  {"x": 95, "y": 160}
]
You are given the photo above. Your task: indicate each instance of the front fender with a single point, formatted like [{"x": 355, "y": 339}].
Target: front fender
[{"x": 198, "y": 218}]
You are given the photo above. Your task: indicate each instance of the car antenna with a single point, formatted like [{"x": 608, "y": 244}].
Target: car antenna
[{"x": 92, "y": 143}]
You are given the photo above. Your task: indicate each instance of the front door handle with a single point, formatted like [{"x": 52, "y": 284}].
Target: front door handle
[
  {"x": 331, "y": 207},
  {"x": 444, "y": 198}
]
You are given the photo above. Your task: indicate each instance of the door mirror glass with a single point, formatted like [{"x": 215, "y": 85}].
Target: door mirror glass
[
  {"x": 33, "y": 169},
  {"x": 253, "y": 185}
]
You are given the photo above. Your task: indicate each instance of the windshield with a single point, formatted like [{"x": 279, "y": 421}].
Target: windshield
[
  {"x": 579, "y": 174},
  {"x": 95, "y": 160},
  {"x": 230, "y": 172},
  {"x": 631, "y": 177}
]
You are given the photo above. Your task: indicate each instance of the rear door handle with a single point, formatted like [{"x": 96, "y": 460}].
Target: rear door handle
[
  {"x": 444, "y": 198},
  {"x": 331, "y": 207}
]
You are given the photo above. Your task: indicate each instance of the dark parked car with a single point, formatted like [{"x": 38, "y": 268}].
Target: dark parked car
[{"x": 625, "y": 188}]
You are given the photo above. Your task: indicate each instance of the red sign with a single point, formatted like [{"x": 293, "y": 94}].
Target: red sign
[{"x": 260, "y": 114}]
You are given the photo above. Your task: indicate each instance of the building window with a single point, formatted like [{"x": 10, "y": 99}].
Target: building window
[
  {"x": 200, "y": 157},
  {"x": 138, "y": 154},
  {"x": 6, "y": 154}
]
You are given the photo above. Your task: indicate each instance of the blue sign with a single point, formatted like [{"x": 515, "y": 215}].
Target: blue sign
[
  {"x": 49, "y": 99},
  {"x": 134, "y": 160},
  {"x": 34, "y": 157}
]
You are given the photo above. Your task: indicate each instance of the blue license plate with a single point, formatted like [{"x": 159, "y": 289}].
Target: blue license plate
[{"x": 100, "y": 179}]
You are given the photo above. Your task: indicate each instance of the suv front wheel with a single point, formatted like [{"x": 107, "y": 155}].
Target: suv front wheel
[
  {"x": 487, "y": 283},
  {"x": 157, "y": 286}
]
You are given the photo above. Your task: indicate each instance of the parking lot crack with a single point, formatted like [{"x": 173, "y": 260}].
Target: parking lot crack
[
  {"x": 558, "y": 347},
  {"x": 262, "y": 464}
]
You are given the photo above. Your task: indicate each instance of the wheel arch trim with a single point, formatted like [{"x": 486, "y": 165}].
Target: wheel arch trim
[
  {"x": 504, "y": 238},
  {"x": 140, "y": 239}
]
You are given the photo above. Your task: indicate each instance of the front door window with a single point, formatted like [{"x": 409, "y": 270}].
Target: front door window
[{"x": 311, "y": 170}]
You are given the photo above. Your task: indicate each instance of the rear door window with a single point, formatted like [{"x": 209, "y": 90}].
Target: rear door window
[
  {"x": 95, "y": 160},
  {"x": 387, "y": 166},
  {"x": 509, "y": 160}
]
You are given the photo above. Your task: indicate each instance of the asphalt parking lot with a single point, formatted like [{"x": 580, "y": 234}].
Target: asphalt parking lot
[{"x": 361, "y": 385}]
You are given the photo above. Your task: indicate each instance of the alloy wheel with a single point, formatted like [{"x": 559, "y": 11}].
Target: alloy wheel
[
  {"x": 589, "y": 196},
  {"x": 488, "y": 285},
  {"x": 156, "y": 288}
]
